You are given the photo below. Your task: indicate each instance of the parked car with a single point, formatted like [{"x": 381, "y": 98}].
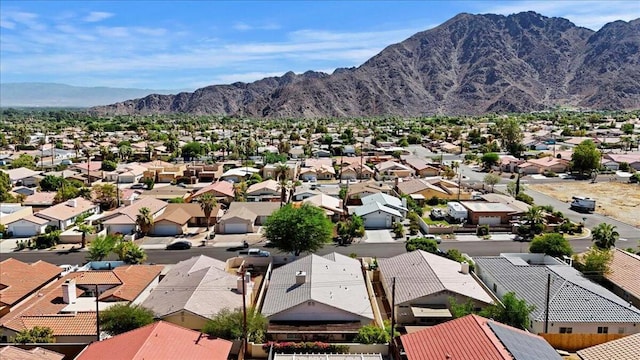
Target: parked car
[
  {"x": 437, "y": 214},
  {"x": 137, "y": 186},
  {"x": 438, "y": 239},
  {"x": 255, "y": 253},
  {"x": 179, "y": 245}
]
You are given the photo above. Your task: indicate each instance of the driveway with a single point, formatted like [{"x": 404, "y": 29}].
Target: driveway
[{"x": 378, "y": 236}]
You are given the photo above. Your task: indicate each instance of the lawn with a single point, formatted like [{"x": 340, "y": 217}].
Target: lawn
[{"x": 427, "y": 219}]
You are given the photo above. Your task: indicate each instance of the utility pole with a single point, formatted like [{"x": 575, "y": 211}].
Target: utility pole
[
  {"x": 546, "y": 305},
  {"x": 97, "y": 315},
  {"x": 117, "y": 190},
  {"x": 459, "y": 184},
  {"x": 244, "y": 311},
  {"x": 393, "y": 314}
]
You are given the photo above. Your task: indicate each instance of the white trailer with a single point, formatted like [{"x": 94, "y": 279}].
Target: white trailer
[
  {"x": 585, "y": 204},
  {"x": 456, "y": 211}
]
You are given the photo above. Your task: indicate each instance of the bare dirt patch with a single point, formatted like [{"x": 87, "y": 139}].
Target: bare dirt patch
[{"x": 617, "y": 200}]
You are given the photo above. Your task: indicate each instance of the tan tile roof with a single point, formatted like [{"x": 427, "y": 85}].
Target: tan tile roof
[
  {"x": 625, "y": 268},
  {"x": 64, "y": 211},
  {"x": 18, "y": 279},
  {"x": 135, "y": 278},
  {"x": 102, "y": 277},
  {"x": 223, "y": 188},
  {"x": 40, "y": 198},
  {"x": 622, "y": 349},
  {"x": 37, "y": 353}
]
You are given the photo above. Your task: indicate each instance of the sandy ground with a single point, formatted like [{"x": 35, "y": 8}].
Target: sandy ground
[{"x": 617, "y": 200}]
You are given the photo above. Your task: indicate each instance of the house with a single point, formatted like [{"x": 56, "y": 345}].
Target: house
[
  {"x": 123, "y": 220},
  {"x": 633, "y": 159},
  {"x": 317, "y": 169},
  {"x": 474, "y": 337},
  {"x": 543, "y": 165},
  {"x": 431, "y": 187},
  {"x": 28, "y": 226},
  {"x": 239, "y": 174},
  {"x": 10, "y": 212},
  {"x": 625, "y": 348},
  {"x": 162, "y": 171},
  {"x": 37, "y": 353},
  {"x": 377, "y": 216},
  {"x": 203, "y": 172},
  {"x": 68, "y": 305},
  {"x": 126, "y": 173},
  {"x": 425, "y": 283},
  {"x": 268, "y": 190},
  {"x": 317, "y": 298},
  {"x": 623, "y": 276},
  {"x": 509, "y": 163},
  {"x": 321, "y": 153},
  {"x": 488, "y": 213},
  {"x": 577, "y": 305},
  {"x": 177, "y": 218},
  {"x": 23, "y": 176},
  {"x": 387, "y": 200},
  {"x": 222, "y": 190},
  {"x": 270, "y": 170},
  {"x": 20, "y": 280},
  {"x": 159, "y": 340},
  {"x": 357, "y": 191},
  {"x": 40, "y": 200},
  {"x": 390, "y": 170},
  {"x": 64, "y": 215},
  {"x": 243, "y": 217},
  {"x": 331, "y": 206},
  {"x": 166, "y": 193},
  {"x": 363, "y": 172},
  {"x": 195, "y": 290},
  {"x": 420, "y": 167}
]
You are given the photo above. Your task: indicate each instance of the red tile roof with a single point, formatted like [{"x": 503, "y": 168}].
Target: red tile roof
[
  {"x": 160, "y": 340},
  {"x": 468, "y": 337},
  {"x": 18, "y": 279}
]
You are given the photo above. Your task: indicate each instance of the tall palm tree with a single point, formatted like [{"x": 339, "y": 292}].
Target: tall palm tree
[
  {"x": 77, "y": 145},
  {"x": 85, "y": 229},
  {"x": 207, "y": 204},
  {"x": 605, "y": 235},
  {"x": 534, "y": 217},
  {"x": 144, "y": 220},
  {"x": 240, "y": 191},
  {"x": 282, "y": 172}
]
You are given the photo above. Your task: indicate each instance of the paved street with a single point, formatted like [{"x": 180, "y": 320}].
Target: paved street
[{"x": 473, "y": 248}]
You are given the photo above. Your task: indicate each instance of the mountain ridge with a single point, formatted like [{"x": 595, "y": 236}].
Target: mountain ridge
[{"x": 470, "y": 64}]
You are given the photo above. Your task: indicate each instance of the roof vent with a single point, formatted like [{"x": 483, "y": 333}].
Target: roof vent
[
  {"x": 464, "y": 267},
  {"x": 301, "y": 277}
]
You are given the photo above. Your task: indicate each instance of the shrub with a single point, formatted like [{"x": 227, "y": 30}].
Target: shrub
[
  {"x": 483, "y": 230},
  {"x": 524, "y": 198},
  {"x": 46, "y": 241},
  {"x": 433, "y": 201},
  {"x": 424, "y": 244}
]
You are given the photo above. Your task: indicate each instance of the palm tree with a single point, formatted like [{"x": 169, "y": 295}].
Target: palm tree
[
  {"x": 77, "y": 145},
  {"x": 240, "y": 191},
  {"x": 534, "y": 217},
  {"x": 144, "y": 220},
  {"x": 207, "y": 203},
  {"x": 85, "y": 229},
  {"x": 604, "y": 235},
  {"x": 282, "y": 172}
]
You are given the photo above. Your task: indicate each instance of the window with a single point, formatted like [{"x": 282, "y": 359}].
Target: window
[
  {"x": 566, "y": 330},
  {"x": 621, "y": 330},
  {"x": 603, "y": 330}
]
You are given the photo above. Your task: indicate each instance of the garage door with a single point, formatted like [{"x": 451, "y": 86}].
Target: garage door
[
  {"x": 376, "y": 222},
  {"x": 23, "y": 231},
  {"x": 489, "y": 220},
  {"x": 235, "y": 228},
  {"x": 166, "y": 229}
]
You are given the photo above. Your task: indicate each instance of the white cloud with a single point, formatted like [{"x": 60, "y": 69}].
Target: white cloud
[
  {"x": 96, "y": 16},
  {"x": 113, "y": 31},
  {"x": 6, "y": 24},
  {"x": 242, "y": 26},
  {"x": 11, "y": 19}
]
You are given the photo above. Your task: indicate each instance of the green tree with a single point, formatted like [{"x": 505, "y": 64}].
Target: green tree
[
  {"x": 24, "y": 160},
  {"x": 192, "y": 150},
  {"x": 35, "y": 335},
  {"x": 5, "y": 186},
  {"x": 144, "y": 220},
  {"x": 351, "y": 228},
  {"x": 492, "y": 180},
  {"x": 51, "y": 183},
  {"x": 489, "y": 160},
  {"x": 373, "y": 334},
  {"x": 511, "y": 135},
  {"x": 109, "y": 165},
  {"x": 534, "y": 218},
  {"x": 101, "y": 247},
  {"x": 227, "y": 324},
  {"x": 585, "y": 157},
  {"x": 240, "y": 191},
  {"x": 121, "y": 318},
  {"x": 513, "y": 311},
  {"x": 207, "y": 204},
  {"x": 627, "y": 128},
  {"x": 129, "y": 252},
  {"x": 106, "y": 195},
  {"x": 552, "y": 244},
  {"x": 595, "y": 263},
  {"x": 282, "y": 174},
  {"x": 298, "y": 229},
  {"x": 424, "y": 244},
  {"x": 604, "y": 236}
]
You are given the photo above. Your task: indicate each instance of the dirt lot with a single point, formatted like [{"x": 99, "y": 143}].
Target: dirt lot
[{"x": 617, "y": 200}]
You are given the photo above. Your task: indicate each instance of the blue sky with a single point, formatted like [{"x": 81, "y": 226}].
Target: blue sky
[{"x": 190, "y": 44}]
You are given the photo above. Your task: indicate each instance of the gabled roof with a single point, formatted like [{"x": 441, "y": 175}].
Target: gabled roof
[
  {"x": 419, "y": 273},
  {"x": 625, "y": 271},
  {"x": 571, "y": 293},
  {"x": 626, "y": 348},
  {"x": 270, "y": 185},
  {"x": 259, "y": 208},
  {"x": 65, "y": 210},
  {"x": 19, "y": 279},
  {"x": 15, "y": 353},
  {"x": 160, "y": 340},
  {"x": 32, "y": 219},
  {"x": 199, "y": 285},
  {"x": 474, "y": 337},
  {"x": 223, "y": 188},
  {"x": 20, "y": 173},
  {"x": 384, "y": 199},
  {"x": 371, "y": 207},
  {"x": 128, "y": 214},
  {"x": 334, "y": 280},
  {"x": 326, "y": 202}
]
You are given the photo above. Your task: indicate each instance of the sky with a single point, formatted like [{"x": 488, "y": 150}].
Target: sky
[{"x": 166, "y": 45}]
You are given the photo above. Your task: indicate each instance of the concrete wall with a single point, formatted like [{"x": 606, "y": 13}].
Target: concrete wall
[{"x": 186, "y": 319}]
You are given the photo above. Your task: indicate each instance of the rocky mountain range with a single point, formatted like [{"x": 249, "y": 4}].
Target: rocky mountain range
[{"x": 471, "y": 64}]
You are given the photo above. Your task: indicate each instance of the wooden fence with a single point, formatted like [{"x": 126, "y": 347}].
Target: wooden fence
[{"x": 575, "y": 342}]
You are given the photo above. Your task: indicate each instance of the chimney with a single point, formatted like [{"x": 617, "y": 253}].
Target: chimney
[
  {"x": 301, "y": 277},
  {"x": 404, "y": 202},
  {"x": 73, "y": 203},
  {"x": 69, "y": 291},
  {"x": 246, "y": 279},
  {"x": 239, "y": 284},
  {"x": 464, "y": 267}
]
